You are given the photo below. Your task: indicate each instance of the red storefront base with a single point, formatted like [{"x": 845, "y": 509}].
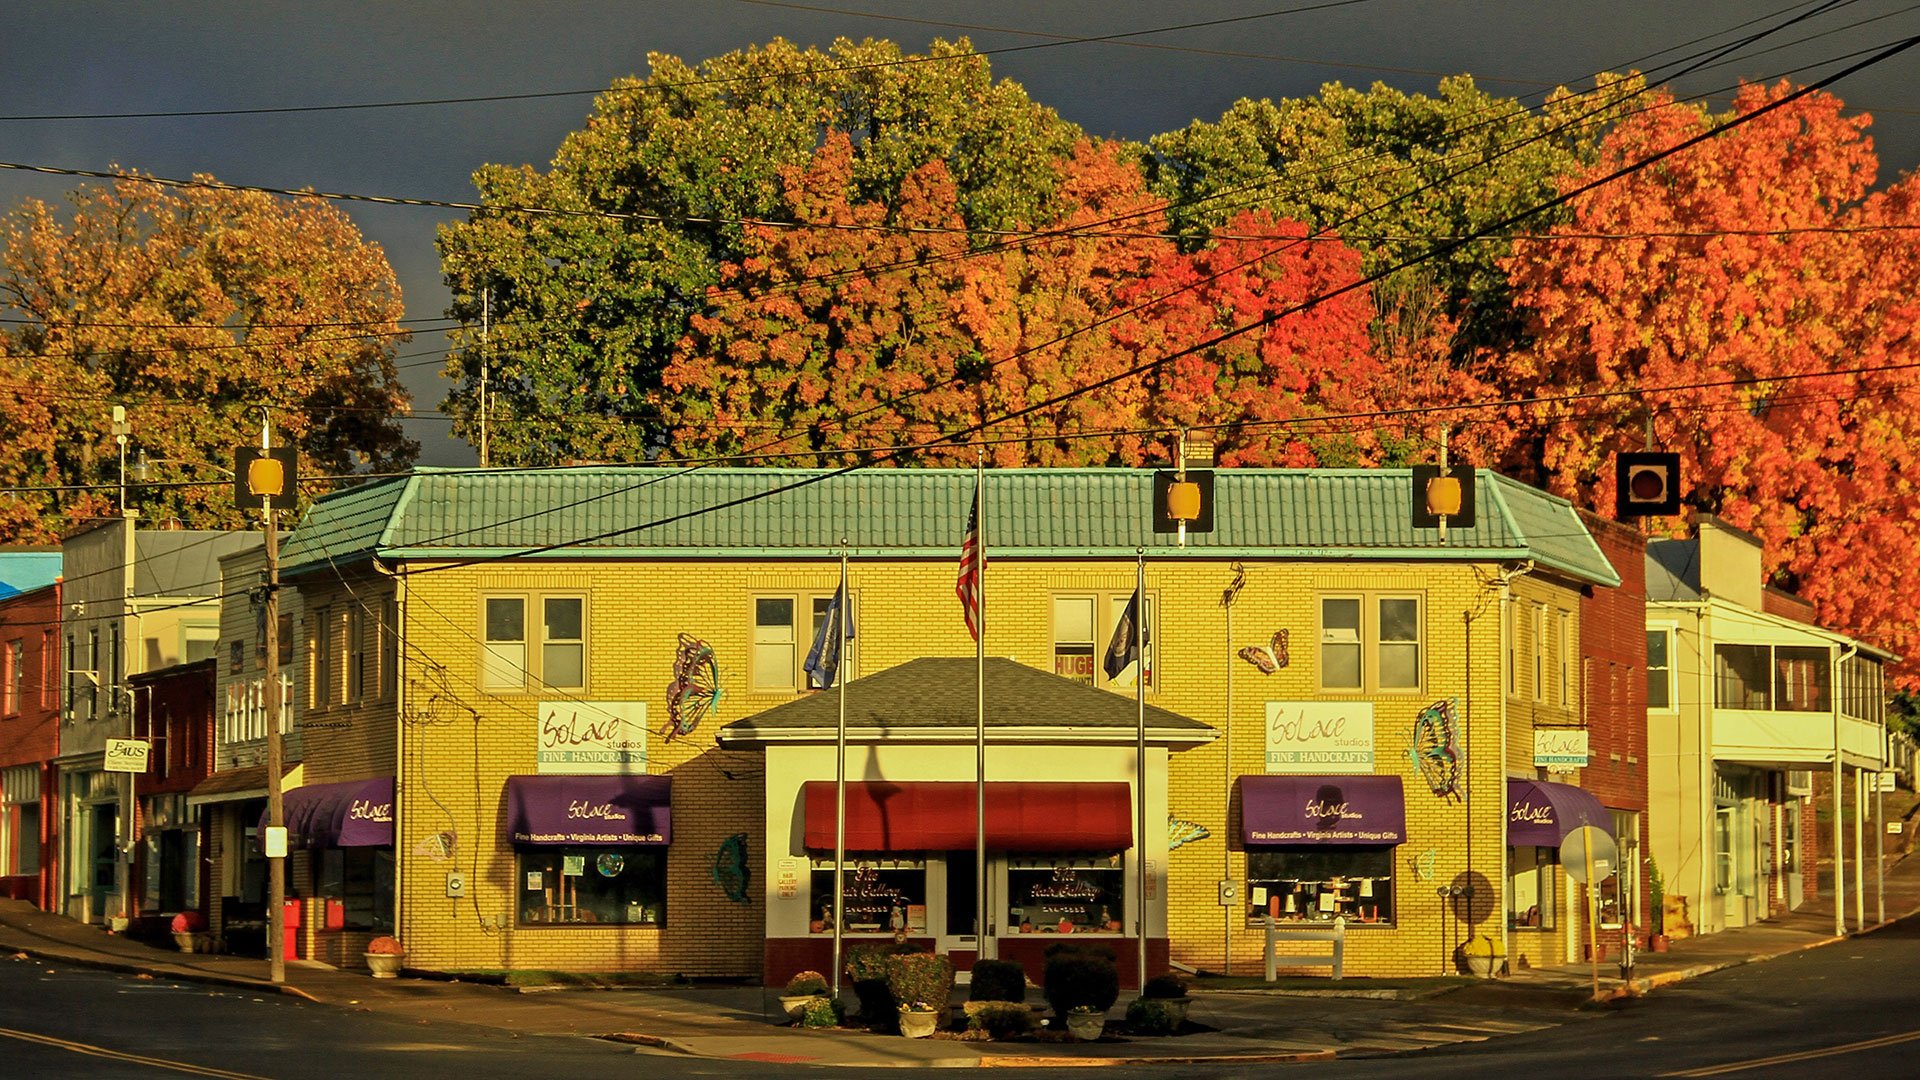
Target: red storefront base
[{"x": 787, "y": 956}]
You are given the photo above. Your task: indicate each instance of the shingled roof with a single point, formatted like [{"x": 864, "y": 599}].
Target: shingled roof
[{"x": 934, "y": 699}]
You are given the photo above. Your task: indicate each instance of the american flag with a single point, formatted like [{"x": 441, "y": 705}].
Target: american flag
[{"x": 967, "y": 587}]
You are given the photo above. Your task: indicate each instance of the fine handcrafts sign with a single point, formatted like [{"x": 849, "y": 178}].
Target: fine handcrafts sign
[
  {"x": 1560, "y": 749},
  {"x": 1319, "y": 737},
  {"x": 593, "y": 737}
]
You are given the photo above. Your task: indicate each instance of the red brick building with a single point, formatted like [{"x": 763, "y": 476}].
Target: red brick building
[
  {"x": 1613, "y": 638},
  {"x": 29, "y": 740},
  {"x": 173, "y": 711}
]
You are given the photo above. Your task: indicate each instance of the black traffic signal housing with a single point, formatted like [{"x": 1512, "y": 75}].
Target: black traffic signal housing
[
  {"x": 1646, "y": 483},
  {"x": 1163, "y": 481},
  {"x": 1423, "y": 515}
]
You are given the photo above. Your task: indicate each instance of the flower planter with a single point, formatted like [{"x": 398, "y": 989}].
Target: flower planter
[
  {"x": 1087, "y": 1026},
  {"x": 384, "y": 965},
  {"x": 918, "y": 1023},
  {"x": 198, "y": 941},
  {"x": 1658, "y": 943},
  {"x": 795, "y": 1004}
]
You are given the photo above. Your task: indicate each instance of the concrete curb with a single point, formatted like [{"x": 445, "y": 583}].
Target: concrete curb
[
  {"x": 1041, "y": 1061},
  {"x": 129, "y": 967}
]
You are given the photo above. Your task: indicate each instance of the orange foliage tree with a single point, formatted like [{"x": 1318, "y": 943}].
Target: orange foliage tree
[{"x": 1751, "y": 299}]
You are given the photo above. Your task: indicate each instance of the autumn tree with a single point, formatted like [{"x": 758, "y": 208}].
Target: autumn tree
[
  {"x": 1749, "y": 301},
  {"x": 590, "y": 300},
  {"x": 1394, "y": 174},
  {"x": 195, "y": 308},
  {"x": 884, "y": 325}
]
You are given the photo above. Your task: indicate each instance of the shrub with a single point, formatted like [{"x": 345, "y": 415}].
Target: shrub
[
  {"x": 866, "y": 968},
  {"x": 997, "y": 980},
  {"x": 1165, "y": 987},
  {"x": 1151, "y": 1016},
  {"x": 386, "y": 946},
  {"x": 189, "y": 922},
  {"x": 820, "y": 1013},
  {"x": 1002, "y": 1019},
  {"x": 921, "y": 979},
  {"x": 1081, "y": 977},
  {"x": 808, "y": 982}
]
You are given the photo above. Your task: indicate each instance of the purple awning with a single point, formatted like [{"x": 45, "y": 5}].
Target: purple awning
[
  {"x": 1361, "y": 810},
  {"x": 589, "y": 809},
  {"x": 1541, "y": 813},
  {"x": 356, "y": 813}
]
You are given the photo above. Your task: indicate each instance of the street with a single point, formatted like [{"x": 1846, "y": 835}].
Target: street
[{"x": 1842, "y": 1010}]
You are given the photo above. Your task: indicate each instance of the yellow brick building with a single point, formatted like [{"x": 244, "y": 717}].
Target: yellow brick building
[{"x": 493, "y": 640}]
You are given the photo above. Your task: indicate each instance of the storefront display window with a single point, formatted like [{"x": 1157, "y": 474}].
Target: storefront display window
[
  {"x": 360, "y": 880},
  {"x": 878, "y": 897},
  {"x": 1531, "y": 899},
  {"x": 1066, "y": 896},
  {"x": 1320, "y": 883},
  {"x": 617, "y": 885}
]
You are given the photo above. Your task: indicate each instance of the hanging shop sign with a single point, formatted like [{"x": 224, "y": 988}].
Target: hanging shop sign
[
  {"x": 126, "y": 755},
  {"x": 1560, "y": 749},
  {"x": 1319, "y": 737},
  {"x": 592, "y": 738}
]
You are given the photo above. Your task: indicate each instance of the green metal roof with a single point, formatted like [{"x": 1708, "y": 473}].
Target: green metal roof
[{"x": 654, "y": 512}]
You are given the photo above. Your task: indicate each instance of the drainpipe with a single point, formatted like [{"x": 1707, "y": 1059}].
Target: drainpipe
[
  {"x": 400, "y": 801},
  {"x": 1507, "y": 577},
  {"x": 1839, "y": 834}
]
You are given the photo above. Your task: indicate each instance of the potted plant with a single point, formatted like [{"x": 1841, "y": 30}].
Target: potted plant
[
  {"x": 801, "y": 990},
  {"x": 1169, "y": 992},
  {"x": 866, "y": 969},
  {"x": 1481, "y": 955},
  {"x": 1155, "y": 1016},
  {"x": 922, "y": 984},
  {"x": 190, "y": 932},
  {"x": 384, "y": 954},
  {"x": 1081, "y": 983}
]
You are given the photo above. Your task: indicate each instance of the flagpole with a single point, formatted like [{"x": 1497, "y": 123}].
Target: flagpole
[
  {"x": 1140, "y": 756},
  {"x": 984, "y": 945},
  {"x": 840, "y": 779}
]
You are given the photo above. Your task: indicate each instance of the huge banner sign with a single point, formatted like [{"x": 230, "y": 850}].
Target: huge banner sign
[{"x": 1319, "y": 737}]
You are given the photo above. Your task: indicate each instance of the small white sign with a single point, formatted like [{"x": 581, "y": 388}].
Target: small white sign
[
  {"x": 127, "y": 755},
  {"x": 1319, "y": 737},
  {"x": 592, "y": 738},
  {"x": 1896, "y": 827},
  {"x": 1560, "y": 749},
  {"x": 274, "y": 842}
]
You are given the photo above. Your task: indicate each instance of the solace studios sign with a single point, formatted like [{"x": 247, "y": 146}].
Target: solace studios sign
[
  {"x": 607, "y": 738},
  {"x": 1319, "y": 737}
]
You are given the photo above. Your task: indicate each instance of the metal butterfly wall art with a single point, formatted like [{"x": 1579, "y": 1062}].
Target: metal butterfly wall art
[{"x": 1270, "y": 658}]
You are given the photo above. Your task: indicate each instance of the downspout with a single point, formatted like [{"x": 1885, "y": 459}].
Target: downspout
[
  {"x": 400, "y": 802},
  {"x": 1507, "y": 577},
  {"x": 1839, "y": 834}
]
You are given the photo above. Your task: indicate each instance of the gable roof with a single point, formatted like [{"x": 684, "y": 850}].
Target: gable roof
[
  {"x": 935, "y": 698},
  {"x": 654, "y": 512}
]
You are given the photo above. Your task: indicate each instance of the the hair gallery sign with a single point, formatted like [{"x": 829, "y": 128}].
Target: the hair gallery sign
[
  {"x": 602, "y": 738},
  {"x": 1319, "y": 737}
]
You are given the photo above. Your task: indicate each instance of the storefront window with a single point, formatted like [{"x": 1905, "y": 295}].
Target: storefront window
[
  {"x": 582, "y": 886},
  {"x": 878, "y": 897},
  {"x": 1530, "y": 887},
  {"x": 360, "y": 880},
  {"x": 1065, "y": 896},
  {"x": 1320, "y": 883}
]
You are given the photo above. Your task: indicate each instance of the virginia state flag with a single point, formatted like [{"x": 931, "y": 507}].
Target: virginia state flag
[{"x": 823, "y": 659}]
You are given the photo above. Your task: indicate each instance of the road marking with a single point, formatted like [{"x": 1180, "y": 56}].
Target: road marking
[
  {"x": 1804, "y": 1055},
  {"x": 138, "y": 1059}
]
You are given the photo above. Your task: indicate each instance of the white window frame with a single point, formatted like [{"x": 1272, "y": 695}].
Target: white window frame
[
  {"x": 1672, "y": 634},
  {"x": 498, "y": 664},
  {"x": 1370, "y": 602},
  {"x": 13, "y": 676},
  {"x": 770, "y": 639},
  {"x": 1108, "y": 606},
  {"x": 1564, "y": 650}
]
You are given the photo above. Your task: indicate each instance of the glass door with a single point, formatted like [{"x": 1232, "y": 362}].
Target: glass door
[{"x": 958, "y": 929}]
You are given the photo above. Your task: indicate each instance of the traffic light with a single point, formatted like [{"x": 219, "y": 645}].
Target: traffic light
[
  {"x": 1176, "y": 500},
  {"x": 259, "y": 475},
  {"x": 1435, "y": 495},
  {"x": 1646, "y": 484}
]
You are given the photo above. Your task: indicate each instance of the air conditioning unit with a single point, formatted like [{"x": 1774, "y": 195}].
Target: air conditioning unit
[{"x": 1799, "y": 782}]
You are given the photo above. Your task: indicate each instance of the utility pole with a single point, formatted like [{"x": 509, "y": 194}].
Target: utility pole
[
  {"x": 486, "y": 320},
  {"x": 123, "y": 647},
  {"x": 269, "y": 477}
]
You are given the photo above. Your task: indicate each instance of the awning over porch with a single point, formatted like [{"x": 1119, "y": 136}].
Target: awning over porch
[
  {"x": 1022, "y": 816},
  {"x": 353, "y": 813},
  {"x": 555, "y": 810},
  {"x": 1356, "y": 810},
  {"x": 1541, "y": 813},
  {"x": 240, "y": 784}
]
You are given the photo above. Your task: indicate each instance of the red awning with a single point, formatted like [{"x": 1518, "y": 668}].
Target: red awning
[{"x": 938, "y": 816}]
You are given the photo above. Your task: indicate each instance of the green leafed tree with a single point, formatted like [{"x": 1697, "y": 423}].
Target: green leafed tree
[
  {"x": 588, "y": 302},
  {"x": 195, "y": 308}
]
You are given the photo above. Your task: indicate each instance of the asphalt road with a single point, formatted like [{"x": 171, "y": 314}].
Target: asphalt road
[{"x": 1850, "y": 1010}]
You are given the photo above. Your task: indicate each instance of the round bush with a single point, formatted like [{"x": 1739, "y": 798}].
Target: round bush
[
  {"x": 1081, "y": 977},
  {"x": 1151, "y": 1016},
  {"x": 807, "y": 982},
  {"x": 997, "y": 980},
  {"x": 1002, "y": 1019}
]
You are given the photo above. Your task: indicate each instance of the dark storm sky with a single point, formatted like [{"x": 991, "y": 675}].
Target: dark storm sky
[{"x": 64, "y": 57}]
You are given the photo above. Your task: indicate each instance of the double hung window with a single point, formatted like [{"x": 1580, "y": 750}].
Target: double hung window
[
  {"x": 1370, "y": 642},
  {"x": 520, "y": 655},
  {"x": 1085, "y": 627},
  {"x": 784, "y": 627}
]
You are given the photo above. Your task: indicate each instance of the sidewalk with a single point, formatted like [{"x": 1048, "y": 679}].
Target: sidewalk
[{"x": 741, "y": 1022}]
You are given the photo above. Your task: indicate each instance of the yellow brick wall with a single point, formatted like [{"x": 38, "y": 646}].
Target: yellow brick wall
[{"x": 461, "y": 743}]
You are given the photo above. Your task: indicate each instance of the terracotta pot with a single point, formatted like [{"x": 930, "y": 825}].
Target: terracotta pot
[{"x": 1658, "y": 943}]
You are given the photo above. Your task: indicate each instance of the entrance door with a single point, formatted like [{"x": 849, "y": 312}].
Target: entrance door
[
  {"x": 100, "y": 882},
  {"x": 1790, "y": 854},
  {"x": 959, "y": 930}
]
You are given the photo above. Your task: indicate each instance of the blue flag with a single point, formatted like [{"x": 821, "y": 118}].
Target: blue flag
[{"x": 823, "y": 659}]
